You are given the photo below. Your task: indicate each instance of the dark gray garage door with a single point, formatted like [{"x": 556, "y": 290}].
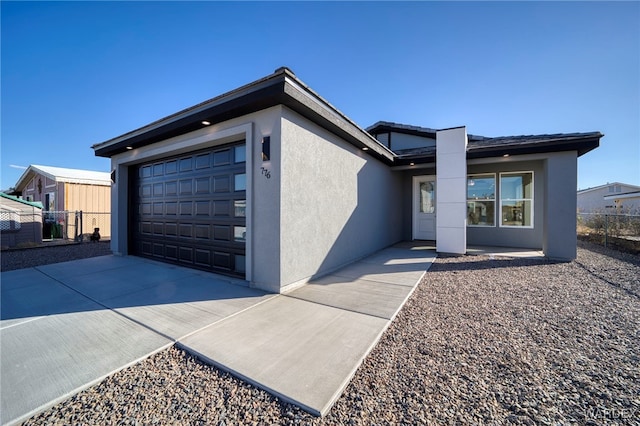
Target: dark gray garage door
[{"x": 190, "y": 209}]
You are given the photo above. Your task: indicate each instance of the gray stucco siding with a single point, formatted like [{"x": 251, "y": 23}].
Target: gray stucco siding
[
  {"x": 561, "y": 180},
  {"x": 263, "y": 212},
  {"x": 507, "y": 236},
  {"x": 338, "y": 204}
]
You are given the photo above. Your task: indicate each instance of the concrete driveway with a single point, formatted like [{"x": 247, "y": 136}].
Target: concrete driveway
[{"x": 66, "y": 326}]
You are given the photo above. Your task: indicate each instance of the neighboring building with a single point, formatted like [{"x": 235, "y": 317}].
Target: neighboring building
[
  {"x": 20, "y": 221},
  {"x": 68, "y": 190},
  {"x": 599, "y": 198},
  {"x": 627, "y": 202},
  {"x": 272, "y": 183}
]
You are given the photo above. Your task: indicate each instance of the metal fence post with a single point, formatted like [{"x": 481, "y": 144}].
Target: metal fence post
[
  {"x": 81, "y": 239},
  {"x": 75, "y": 226},
  {"x": 606, "y": 228}
]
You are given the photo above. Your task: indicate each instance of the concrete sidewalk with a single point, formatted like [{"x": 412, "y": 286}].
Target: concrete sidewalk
[
  {"x": 305, "y": 346},
  {"x": 65, "y": 327}
]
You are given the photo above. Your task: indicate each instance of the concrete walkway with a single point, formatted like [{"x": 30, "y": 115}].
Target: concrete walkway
[{"x": 65, "y": 327}]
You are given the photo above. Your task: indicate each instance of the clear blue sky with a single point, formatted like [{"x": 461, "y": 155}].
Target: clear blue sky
[{"x": 78, "y": 73}]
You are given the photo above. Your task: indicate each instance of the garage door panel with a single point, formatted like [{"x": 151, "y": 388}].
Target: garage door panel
[
  {"x": 222, "y": 158},
  {"x": 186, "y": 208},
  {"x": 202, "y": 208},
  {"x": 203, "y": 161},
  {"x": 221, "y": 184},
  {"x": 190, "y": 209},
  {"x": 171, "y": 188},
  {"x": 221, "y": 208},
  {"x": 222, "y": 260}
]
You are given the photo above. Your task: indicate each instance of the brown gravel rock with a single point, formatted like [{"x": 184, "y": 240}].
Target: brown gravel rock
[{"x": 481, "y": 341}]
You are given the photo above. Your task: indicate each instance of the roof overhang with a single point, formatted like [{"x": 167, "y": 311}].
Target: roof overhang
[
  {"x": 626, "y": 195},
  {"x": 284, "y": 88},
  {"x": 34, "y": 170},
  {"x": 502, "y": 147},
  {"x": 35, "y": 204},
  {"x": 280, "y": 88},
  {"x": 579, "y": 142},
  {"x": 25, "y": 178},
  {"x": 389, "y": 127}
]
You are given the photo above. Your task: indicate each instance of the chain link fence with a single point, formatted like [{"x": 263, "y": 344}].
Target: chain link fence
[
  {"x": 10, "y": 220},
  {"x": 75, "y": 225},
  {"x": 28, "y": 229},
  {"x": 92, "y": 221},
  {"x": 620, "y": 231},
  {"x": 20, "y": 228}
]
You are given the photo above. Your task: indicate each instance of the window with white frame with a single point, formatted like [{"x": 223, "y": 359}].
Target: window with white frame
[
  {"x": 481, "y": 200},
  {"x": 516, "y": 199}
]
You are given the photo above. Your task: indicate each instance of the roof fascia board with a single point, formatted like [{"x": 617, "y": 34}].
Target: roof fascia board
[
  {"x": 26, "y": 176},
  {"x": 310, "y": 105},
  {"x": 511, "y": 158},
  {"x": 416, "y": 166},
  {"x": 216, "y": 113},
  {"x": 595, "y": 188},
  {"x": 282, "y": 88},
  {"x": 203, "y": 106},
  {"x": 582, "y": 146},
  {"x": 31, "y": 172},
  {"x": 385, "y": 127},
  {"x": 635, "y": 194}
]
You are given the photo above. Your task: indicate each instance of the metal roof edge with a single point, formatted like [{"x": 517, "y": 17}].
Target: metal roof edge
[
  {"x": 595, "y": 188},
  {"x": 280, "y": 88},
  {"x": 361, "y": 138},
  {"x": 35, "y": 169},
  {"x": 36, "y": 204},
  {"x": 623, "y": 195},
  {"x": 225, "y": 97}
]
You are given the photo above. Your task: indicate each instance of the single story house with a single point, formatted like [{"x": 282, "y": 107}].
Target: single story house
[
  {"x": 272, "y": 183},
  {"x": 68, "y": 190},
  {"x": 625, "y": 202},
  {"x": 601, "y": 199},
  {"x": 20, "y": 221}
]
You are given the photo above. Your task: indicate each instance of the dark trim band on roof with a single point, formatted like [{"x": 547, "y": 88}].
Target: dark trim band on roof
[
  {"x": 280, "y": 88},
  {"x": 283, "y": 88},
  {"x": 514, "y": 145}
]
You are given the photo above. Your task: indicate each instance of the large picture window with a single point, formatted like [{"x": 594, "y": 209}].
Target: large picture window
[
  {"x": 481, "y": 200},
  {"x": 516, "y": 199}
]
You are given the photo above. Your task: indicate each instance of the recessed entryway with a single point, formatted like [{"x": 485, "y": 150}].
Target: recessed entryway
[{"x": 424, "y": 207}]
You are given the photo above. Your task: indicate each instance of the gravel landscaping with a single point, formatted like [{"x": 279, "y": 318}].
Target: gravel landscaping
[
  {"x": 482, "y": 341},
  {"x": 51, "y": 253}
]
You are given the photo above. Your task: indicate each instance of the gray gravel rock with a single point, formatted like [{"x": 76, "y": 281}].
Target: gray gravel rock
[
  {"x": 51, "y": 253},
  {"x": 481, "y": 341}
]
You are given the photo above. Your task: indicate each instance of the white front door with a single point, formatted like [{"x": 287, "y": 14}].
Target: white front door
[{"x": 424, "y": 207}]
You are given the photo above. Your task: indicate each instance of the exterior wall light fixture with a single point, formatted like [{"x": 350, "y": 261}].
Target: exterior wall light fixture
[{"x": 266, "y": 148}]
